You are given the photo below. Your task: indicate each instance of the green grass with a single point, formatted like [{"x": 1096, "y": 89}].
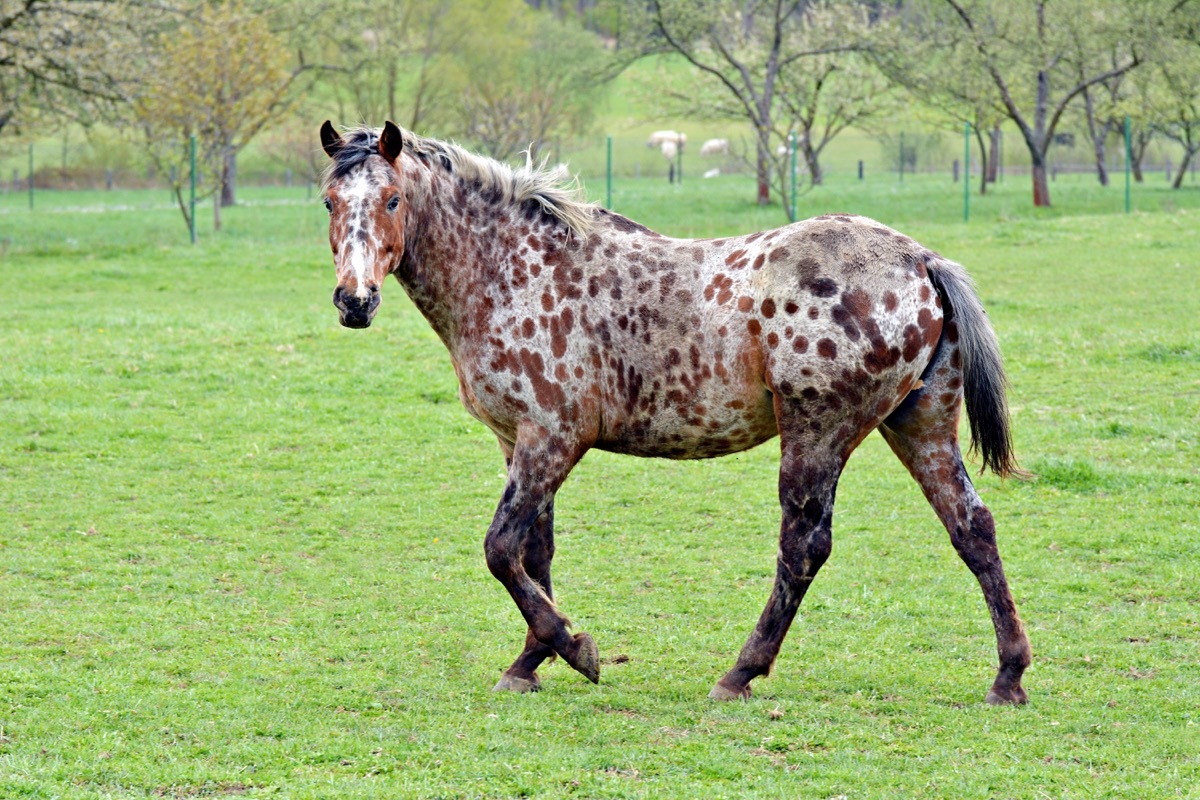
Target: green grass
[{"x": 241, "y": 547}]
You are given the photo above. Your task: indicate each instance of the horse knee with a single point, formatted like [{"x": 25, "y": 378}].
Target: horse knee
[
  {"x": 499, "y": 550},
  {"x": 818, "y": 548}
]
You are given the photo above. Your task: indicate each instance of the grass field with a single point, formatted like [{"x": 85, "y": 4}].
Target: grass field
[{"x": 241, "y": 547}]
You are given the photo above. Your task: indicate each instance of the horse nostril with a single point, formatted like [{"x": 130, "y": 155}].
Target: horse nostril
[{"x": 339, "y": 296}]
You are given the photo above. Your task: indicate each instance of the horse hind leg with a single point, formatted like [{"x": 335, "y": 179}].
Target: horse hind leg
[
  {"x": 808, "y": 476},
  {"x": 923, "y": 433}
]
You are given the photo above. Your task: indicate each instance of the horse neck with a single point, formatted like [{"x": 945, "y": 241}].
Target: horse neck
[{"x": 460, "y": 247}]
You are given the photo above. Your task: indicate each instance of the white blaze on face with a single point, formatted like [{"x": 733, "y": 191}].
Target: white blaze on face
[{"x": 361, "y": 250}]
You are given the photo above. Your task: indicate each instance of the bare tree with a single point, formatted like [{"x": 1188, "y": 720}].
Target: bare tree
[{"x": 744, "y": 45}]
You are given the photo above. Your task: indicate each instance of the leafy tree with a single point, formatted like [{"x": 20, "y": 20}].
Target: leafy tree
[
  {"x": 832, "y": 90},
  {"x": 496, "y": 73},
  {"x": 56, "y": 56},
  {"x": 545, "y": 86},
  {"x": 1173, "y": 97},
  {"x": 390, "y": 60},
  {"x": 222, "y": 76},
  {"x": 1102, "y": 115},
  {"x": 1041, "y": 56}
]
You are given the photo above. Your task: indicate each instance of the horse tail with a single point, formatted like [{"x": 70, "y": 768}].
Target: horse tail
[{"x": 984, "y": 381}]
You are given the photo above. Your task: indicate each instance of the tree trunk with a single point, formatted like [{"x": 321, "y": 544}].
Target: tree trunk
[
  {"x": 1188, "y": 155},
  {"x": 1141, "y": 140},
  {"x": 763, "y": 167},
  {"x": 1098, "y": 134},
  {"x": 984, "y": 161},
  {"x": 993, "y": 163},
  {"x": 217, "y": 211},
  {"x": 1100, "y": 148},
  {"x": 391, "y": 90},
  {"x": 813, "y": 161},
  {"x": 183, "y": 207},
  {"x": 1041, "y": 188},
  {"x": 228, "y": 177}
]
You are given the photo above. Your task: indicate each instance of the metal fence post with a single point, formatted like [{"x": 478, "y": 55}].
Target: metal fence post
[
  {"x": 608, "y": 176},
  {"x": 192, "y": 214},
  {"x": 792, "y": 207},
  {"x": 1128, "y": 162},
  {"x": 967, "y": 172}
]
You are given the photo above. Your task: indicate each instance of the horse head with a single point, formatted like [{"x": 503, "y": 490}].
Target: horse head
[{"x": 367, "y": 209}]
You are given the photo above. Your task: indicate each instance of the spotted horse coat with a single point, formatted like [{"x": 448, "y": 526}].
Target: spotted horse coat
[{"x": 571, "y": 327}]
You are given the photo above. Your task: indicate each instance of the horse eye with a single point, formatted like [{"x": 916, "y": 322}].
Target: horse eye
[
  {"x": 393, "y": 204},
  {"x": 328, "y": 205}
]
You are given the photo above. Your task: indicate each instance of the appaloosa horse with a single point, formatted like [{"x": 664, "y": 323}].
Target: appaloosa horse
[{"x": 571, "y": 327}]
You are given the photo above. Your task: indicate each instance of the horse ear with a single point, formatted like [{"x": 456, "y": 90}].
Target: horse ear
[
  {"x": 331, "y": 140},
  {"x": 391, "y": 141}
]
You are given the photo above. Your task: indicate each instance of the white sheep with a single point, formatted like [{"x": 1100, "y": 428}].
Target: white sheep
[
  {"x": 715, "y": 147},
  {"x": 659, "y": 137}
]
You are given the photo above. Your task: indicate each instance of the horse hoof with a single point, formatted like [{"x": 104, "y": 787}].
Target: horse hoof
[
  {"x": 513, "y": 683},
  {"x": 723, "y": 692},
  {"x": 586, "y": 657},
  {"x": 1014, "y": 696}
]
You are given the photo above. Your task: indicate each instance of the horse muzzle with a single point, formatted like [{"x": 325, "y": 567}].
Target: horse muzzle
[{"x": 355, "y": 311}]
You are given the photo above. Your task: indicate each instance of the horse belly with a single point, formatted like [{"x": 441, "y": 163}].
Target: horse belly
[{"x": 703, "y": 424}]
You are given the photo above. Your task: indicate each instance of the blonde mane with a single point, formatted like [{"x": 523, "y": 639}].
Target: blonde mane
[{"x": 554, "y": 190}]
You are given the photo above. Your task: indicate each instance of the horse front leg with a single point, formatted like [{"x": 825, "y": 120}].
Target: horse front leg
[
  {"x": 538, "y": 553},
  {"x": 519, "y": 546}
]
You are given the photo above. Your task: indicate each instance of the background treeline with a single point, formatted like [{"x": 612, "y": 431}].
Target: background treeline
[{"x": 122, "y": 85}]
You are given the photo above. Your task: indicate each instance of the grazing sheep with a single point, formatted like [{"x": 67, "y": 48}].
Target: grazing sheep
[
  {"x": 659, "y": 137},
  {"x": 715, "y": 147}
]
